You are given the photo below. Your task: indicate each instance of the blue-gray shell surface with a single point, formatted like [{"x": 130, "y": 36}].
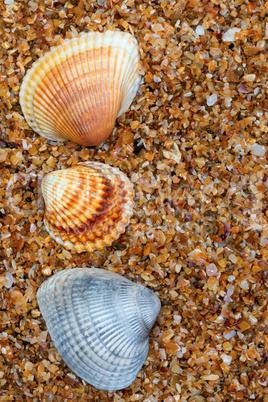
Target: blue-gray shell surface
[{"x": 99, "y": 323}]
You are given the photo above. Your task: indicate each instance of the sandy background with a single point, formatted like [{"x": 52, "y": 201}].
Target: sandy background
[{"x": 194, "y": 143}]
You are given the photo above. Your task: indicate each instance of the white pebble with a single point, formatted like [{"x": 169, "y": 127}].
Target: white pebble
[
  {"x": 258, "y": 150},
  {"x": 229, "y": 293},
  {"x": 157, "y": 79},
  {"x": 263, "y": 242},
  {"x": 9, "y": 1},
  {"x": 9, "y": 277},
  {"x": 163, "y": 353},
  {"x": 177, "y": 319},
  {"x": 244, "y": 284},
  {"x": 226, "y": 359},
  {"x": 211, "y": 270},
  {"x": 229, "y": 36},
  {"x": 6, "y": 264},
  {"x": 24, "y": 144},
  {"x": 231, "y": 278},
  {"x": 200, "y": 30},
  {"x": 229, "y": 335},
  {"x": 134, "y": 177},
  {"x": 253, "y": 320},
  {"x": 228, "y": 102},
  {"x": 232, "y": 258},
  {"x": 249, "y": 78},
  {"x": 191, "y": 201},
  {"x": 32, "y": 228},
  {"x": 211, "y": 100}
]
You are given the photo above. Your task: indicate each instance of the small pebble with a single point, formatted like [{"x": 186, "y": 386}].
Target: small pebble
[
  {"x": 229, "y": 293},
  {"x": 232, "y": 258},
  {"x": 229, "y": 335},
  {"x": 250, "y": 77},
  {"x": 32, "y": 228},
  {"x": 46, "y": 271},
  {"x": 226, "y": 359},
  {"x": 211, "y": 270},
  {"x": 243, "y": 89},
  {"x": 258, "y": 150},
  {"x": 211, "y": 377},
  {"x": 211, "y": 100},
  {"x": 244, "y": 284},
  {"x": 229, "y": 36},
  {"x": 9, "y": 277},
  {"x": 157, "y": 79},
  {"x": 200, "y": 30}
]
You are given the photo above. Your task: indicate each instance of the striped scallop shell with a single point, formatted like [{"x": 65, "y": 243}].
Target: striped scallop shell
[
  {"x": 77, "y": 90},
  {"x": 99, "y": 323},
  {"x": 87, "y": 206}
]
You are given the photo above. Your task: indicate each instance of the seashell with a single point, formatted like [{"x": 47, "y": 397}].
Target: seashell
[
  {"x": 77, "y": 90},
  {"x": 87, "y": 206},
  {"x": 99, "y": 323}
]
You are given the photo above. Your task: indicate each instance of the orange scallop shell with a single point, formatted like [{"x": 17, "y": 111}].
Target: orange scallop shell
[
  {"x": 87, "y": 206},
  {"x": 77, "y": 90}
]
